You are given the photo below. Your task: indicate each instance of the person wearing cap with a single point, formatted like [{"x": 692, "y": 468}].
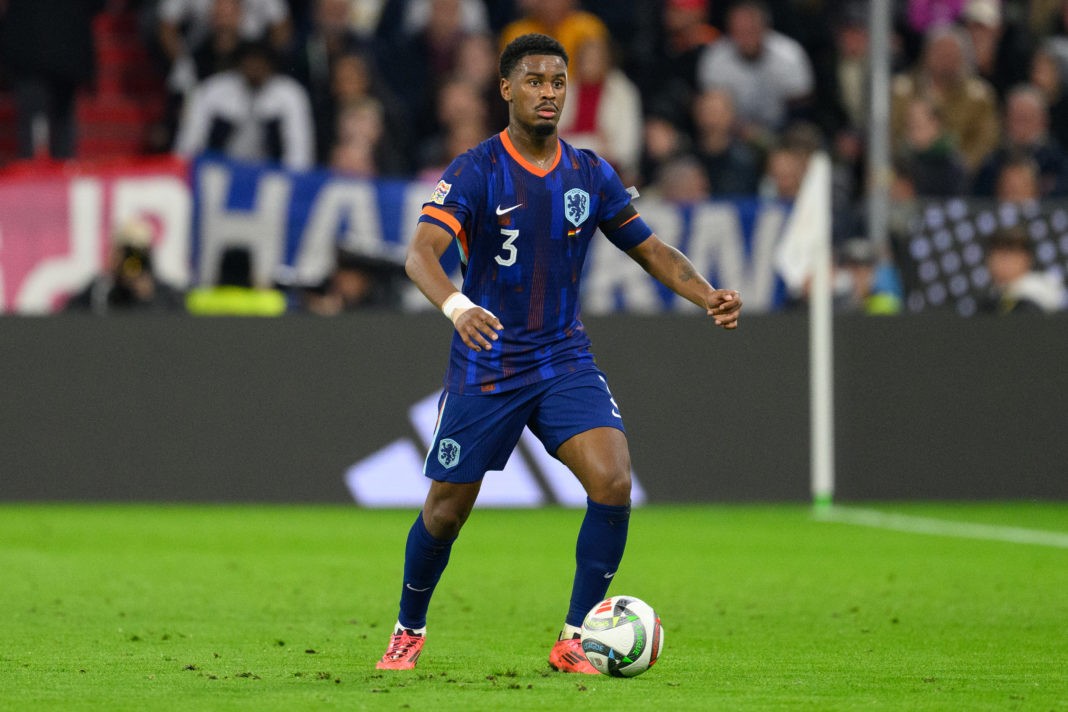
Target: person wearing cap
[
  {"x": 127, "y": 283},
  {"x": 1000, "y": 50},
  {"x": 863, "y": 283},
  {"x": 1016, "y": 287}
]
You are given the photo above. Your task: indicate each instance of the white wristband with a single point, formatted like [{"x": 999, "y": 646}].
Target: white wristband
[{"x": 455, "y": 305}]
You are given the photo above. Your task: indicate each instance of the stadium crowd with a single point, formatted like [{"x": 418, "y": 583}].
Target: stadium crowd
[{"x": 688, "y": 99}]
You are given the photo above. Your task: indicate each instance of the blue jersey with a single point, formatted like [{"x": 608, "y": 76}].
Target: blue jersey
[{"x": 523, "y": 233}]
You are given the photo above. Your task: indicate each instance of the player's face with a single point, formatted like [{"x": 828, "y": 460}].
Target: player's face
[{"x": 535, "y": 92}]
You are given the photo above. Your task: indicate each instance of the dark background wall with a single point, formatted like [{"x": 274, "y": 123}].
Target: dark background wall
[{"x": 181, "y": 409}]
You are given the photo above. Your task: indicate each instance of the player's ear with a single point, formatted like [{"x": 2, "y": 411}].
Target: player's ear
[{"x": 506, "y": 89}]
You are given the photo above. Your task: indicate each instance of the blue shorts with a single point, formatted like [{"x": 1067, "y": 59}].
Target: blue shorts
[{"x": 475, "y": 434}]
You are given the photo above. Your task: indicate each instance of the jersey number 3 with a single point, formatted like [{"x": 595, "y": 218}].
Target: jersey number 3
[{"x": 508, "y": 259}]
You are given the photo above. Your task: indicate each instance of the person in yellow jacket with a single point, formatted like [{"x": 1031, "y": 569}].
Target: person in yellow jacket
[
  {"x": 235, "y": 294},
  {"x": 560, "y": 19}
]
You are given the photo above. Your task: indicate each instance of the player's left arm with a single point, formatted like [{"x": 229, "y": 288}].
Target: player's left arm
[{"x": 675, "y": 271}]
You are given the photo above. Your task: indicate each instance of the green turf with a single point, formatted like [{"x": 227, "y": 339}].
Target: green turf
[{"x": 287, "y": 608}]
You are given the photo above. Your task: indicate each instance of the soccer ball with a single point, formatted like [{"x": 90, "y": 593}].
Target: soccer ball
[{"x": 622, "y": 636}]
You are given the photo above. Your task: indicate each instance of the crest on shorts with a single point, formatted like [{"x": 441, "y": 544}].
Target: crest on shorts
[
  {"x": 440, "y": 191},
  {"x": 576, "y": 206},
  {"x": 448, "y": 453}
]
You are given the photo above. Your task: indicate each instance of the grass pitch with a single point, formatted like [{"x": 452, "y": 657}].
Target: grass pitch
[{"x": 764, "y": 608}]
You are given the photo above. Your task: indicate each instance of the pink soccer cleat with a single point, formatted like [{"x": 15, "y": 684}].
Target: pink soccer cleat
[
  {"x": 403, "y": 651},
  {"x": 567, "y": 656}
]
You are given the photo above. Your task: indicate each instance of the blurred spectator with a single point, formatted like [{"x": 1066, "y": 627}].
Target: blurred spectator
[
  {"x": 1049, "y": 72},
  {"x": 842, "y": 102},
  {"x": 668, "y": 77},
  {"x": 1046, "y": 17},
  {"x": 927, "y": 153},
  {"x": 329, "y": 37},
  {"x": 843, "y": 85},
  {"x": 476, "y": 62},
  {"x": 462, "y": 116},
  {"x": 603, "y": 111},
  {"x": 250, "y": 113},
  {"x": 787, "y": 161},
  {"x": 1025, "y": 132},
  {"x": 405, "y": 18},
  {"x": 354, "y": 82},
  {"x": 681, "y": 180},
  {"x": 457, "y": 139},
  {"x": 732, "y": 167},
  {"x": 561, "y": 19},
  {"x": 768, "y": 73},
  {"x": 185, "y": 25},
  {"x": 361, "y": 148},
  {"x": 662, "y": 141},
  {"x": 358, "y": 282},
  {"x": 217, "y": 52},
  {"x": 1017, "y": 180},
  {"x": 999, "y": 49},
  {"x": 1016, "y": 287},
  {"x": 128, "y": 283},
  {"x": 423, "y": 60},
  {"x": 234, "y": 294},
  {"x": 864, "y": 284},
  {"x": 783, "y": 172},
  {"x": 966, "y": 102},
  {"x": 47, "y": 49}
]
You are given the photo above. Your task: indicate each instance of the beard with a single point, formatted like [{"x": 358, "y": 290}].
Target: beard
[{"x": 544, "y": 130}]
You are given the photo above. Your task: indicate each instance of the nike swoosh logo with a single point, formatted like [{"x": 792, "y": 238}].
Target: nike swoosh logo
[
  {"x": 608, "y": 576},
  {"x": 505, "y": 211},
  {"x": 417, "y": 590}
]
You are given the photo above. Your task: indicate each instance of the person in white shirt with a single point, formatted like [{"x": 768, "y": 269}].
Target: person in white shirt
[
  {"x": 767, "y": 73},
  {"x": 250, "y": 113}
]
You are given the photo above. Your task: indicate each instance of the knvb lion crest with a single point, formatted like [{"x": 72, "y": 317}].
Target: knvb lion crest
[
  {"x": 448, "y": 453},
  {"x": 576, "y": 206}
]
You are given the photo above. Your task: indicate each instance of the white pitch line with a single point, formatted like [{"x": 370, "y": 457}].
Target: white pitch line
[{"x": 943, "y": 527}]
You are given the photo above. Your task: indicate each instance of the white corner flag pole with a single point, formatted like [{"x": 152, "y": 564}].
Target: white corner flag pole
[
  {"x": 804, "y": 257},
  {"x": 821, "y": 369}
]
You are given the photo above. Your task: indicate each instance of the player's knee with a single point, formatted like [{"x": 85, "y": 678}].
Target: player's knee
[
  {"x": 444, "y": 522},
  {"x": 612, "y": 487}
]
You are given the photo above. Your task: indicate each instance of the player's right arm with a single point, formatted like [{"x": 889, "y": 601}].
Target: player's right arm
[{"x": 476, "y": 326}]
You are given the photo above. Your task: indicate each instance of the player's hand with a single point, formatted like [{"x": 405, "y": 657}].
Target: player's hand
[
  {"x": 724, "y": 306},
  {"x": 478, "y": 328}
]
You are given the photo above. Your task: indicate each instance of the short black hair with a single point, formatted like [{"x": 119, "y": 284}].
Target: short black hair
[{"x": 524, "y": 45}]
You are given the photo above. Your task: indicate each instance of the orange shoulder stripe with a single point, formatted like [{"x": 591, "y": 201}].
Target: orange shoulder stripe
[{"x": 447, "y": 218}]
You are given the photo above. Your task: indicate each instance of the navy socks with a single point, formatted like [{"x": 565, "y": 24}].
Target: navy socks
[
  {"x": 425, "y": 558},
  {"x": 601, "y": 541}
]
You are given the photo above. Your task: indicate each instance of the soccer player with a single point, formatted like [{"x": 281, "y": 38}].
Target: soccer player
[{"x": 522, "y": 208}]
